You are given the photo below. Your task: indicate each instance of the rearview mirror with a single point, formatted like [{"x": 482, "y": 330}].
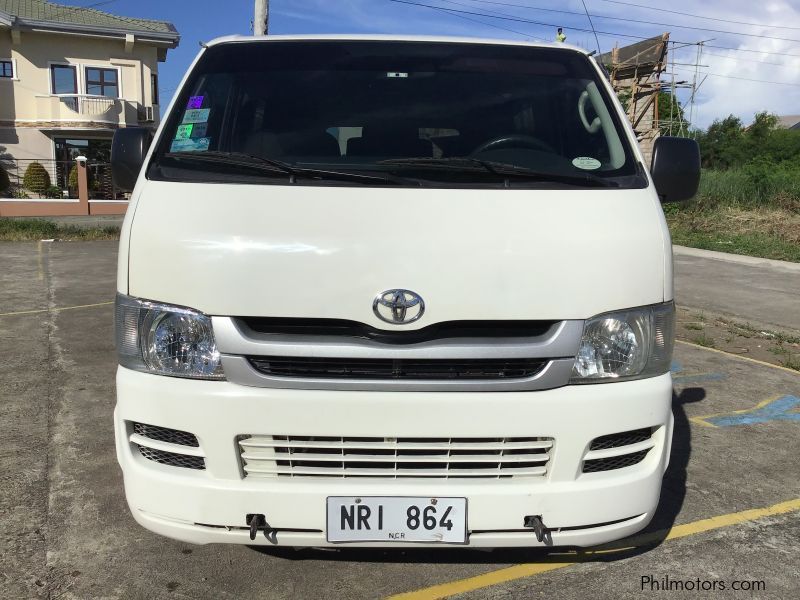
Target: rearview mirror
[
  {"x": 675, "y": 168},
  {"x": 128, "y": 150}
]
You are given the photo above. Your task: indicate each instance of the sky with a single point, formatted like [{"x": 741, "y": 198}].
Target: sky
[{"x": 762, "y": 44}]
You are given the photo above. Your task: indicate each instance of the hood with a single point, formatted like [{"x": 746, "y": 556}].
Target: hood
[{"x": 325, "y": 252}]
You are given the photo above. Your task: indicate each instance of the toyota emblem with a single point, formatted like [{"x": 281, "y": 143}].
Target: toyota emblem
[{"x": 398, "y": 307}]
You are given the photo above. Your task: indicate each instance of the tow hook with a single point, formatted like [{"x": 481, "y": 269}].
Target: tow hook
[
  {"x": 539, "y": 528},
  {"x": 256, "y": 522}
]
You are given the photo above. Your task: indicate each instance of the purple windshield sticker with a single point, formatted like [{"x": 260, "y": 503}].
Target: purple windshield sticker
[{"x": 195, "y": 102}]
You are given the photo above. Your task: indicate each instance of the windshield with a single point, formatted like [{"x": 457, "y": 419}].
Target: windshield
[{"x": 397, "y": 113}]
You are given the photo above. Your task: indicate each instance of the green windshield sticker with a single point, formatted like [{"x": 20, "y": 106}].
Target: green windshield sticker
[
  {"x": 199, "y": 115},
  {"x": 184, "y": 131},
  {"x": 190, "y": 145}
]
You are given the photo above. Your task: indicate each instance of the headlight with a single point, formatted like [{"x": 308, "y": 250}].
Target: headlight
[
  {"x": 166, "y": 340},
  {"x": 635, "y": 343}
]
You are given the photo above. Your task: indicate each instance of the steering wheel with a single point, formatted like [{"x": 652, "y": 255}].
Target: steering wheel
[
  {"x": 594, "y": 125},
  {"x": 514, "y": 140}
]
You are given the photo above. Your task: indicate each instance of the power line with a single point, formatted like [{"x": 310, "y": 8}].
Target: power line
[
  {"x": 526, "y": 35},
  {"x": 521, "y": 20},
  {"x": 627, "y": 20},
  {"x": 746, "y": 78},
  {"x": 685, "y": 14},
  {"x": 506, "y": 17}
]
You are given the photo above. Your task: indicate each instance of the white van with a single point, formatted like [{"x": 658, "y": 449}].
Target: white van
[{"x": 387, "y": 290}]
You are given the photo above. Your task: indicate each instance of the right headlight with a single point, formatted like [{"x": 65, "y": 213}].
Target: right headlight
[
  {"x": 166, "y": 340},
  {"x": 630, "y": 344}
]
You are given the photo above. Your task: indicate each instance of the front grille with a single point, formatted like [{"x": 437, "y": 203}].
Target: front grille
[
  {"x": 172, "y": 459},
  {"x": 436, "y": 331},
  {"x": 614, "y": 462},
  {"x": 394, "y": 458},
  {"x": 626, "y": 438},
  {"x": 164, "y": 434},
  {"x": 408, "y": 369}
]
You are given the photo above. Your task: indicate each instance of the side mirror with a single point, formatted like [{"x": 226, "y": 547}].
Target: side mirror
[
  {"x": 128, "y": 150},
  {"x": 675, "y": 168}
]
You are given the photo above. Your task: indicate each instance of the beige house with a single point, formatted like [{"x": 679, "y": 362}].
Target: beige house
[{"x": 70, "y": 76}]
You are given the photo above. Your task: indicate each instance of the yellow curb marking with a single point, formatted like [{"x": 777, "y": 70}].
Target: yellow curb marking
[
  {"x": 747, "y": 358},
  {"x": 48, "y": 310},
  {"x": 469, "y": 584}
]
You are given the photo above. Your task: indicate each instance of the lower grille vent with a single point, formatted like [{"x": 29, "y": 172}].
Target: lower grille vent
[
  {"x": 614, "y": 462},
  {"x": 172, "y": 459},
  {"x": 164, "y": 434},
  {"x": 434, "y": 369},
  {"x": 393, "y": 458},
  {"x": 626, "y": 438}
]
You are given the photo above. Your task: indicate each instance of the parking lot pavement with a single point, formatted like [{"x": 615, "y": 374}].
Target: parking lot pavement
[
  {"x": 66, "y": 531},
  {"x": 760, "y": 291}
]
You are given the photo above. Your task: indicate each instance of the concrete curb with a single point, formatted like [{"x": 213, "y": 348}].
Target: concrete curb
[{"x": 753, "y": 261}]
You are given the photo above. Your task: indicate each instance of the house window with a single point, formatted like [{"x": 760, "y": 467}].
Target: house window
[
  {"x": 102, "y": 82},
  {"x": 6, "y": 69},
  {"x": 154, "y": 87},
  {"x": 64, "y": 79}
]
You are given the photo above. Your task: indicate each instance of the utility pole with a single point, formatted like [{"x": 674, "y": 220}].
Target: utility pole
[{"x": 261, "y": 18}]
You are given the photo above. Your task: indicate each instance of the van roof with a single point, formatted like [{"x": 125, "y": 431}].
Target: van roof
[{"x": 390, "y": 38}]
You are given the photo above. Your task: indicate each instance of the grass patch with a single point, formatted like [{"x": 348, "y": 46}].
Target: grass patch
[
  {"x": 791, "y": 363},
  {"x": 21, "y": 230},
  {"x": 767, "y": 233},
  {"x": 704, "y": 340},
  {"x": 693, "y": 326}
]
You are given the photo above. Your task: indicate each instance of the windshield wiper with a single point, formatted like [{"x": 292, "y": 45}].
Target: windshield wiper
[
  {"x": 503, "y": 170},
  {"x": 273, "y": 166}
]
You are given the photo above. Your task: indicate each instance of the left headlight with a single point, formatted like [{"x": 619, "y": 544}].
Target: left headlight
[
  {"x": 165, "y": 340},
  {"x": 631, "y": 344}
]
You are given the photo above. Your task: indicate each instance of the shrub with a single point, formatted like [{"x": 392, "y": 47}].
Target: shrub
[
  {"x": 53, "y": 192},
  {"x": 36, "y": 178},
  {"x": 5, "y": 182}
]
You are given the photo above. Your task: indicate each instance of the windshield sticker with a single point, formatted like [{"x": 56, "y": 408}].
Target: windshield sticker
[
  {"x": 184, "y": 131},
  {"x": 190, "y": 145},
  {"x": 586, "y": 162},
  {"x": 199, "y": 115},
  {"x": 191, "y": 130},
  {"x": 195, "y": 102},
  {"x": 199, "y": 130}
]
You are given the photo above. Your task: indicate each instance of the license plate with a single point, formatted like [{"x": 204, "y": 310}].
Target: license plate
[{"x": 397, "y": 519}]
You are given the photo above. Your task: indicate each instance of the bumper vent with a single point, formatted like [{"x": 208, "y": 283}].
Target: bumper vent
[
  {"x": 614, "y": 462},
  {"x": 343, "y": 368},
  {"x": 626, "y": 438},
  {"x": 172, "y": 459},
  {"x": 394, "y": 458},
  {"x": 618, "y": 450},
  {"x": 164, "y": 434}
]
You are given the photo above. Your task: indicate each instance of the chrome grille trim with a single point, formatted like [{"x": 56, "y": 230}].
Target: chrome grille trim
[
  {"x": 234, "y": 337},
  {"x": 394, "y": 458}
]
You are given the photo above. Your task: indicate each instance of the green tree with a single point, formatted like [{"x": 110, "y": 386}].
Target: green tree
[
  {"x": 36, "y": 178},
  {"x": 721, "y": 145}
]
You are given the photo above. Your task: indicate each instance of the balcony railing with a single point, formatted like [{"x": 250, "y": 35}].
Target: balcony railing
[
  {"x": 81, "y": 108},
  {"x": 87, "y": 105}
]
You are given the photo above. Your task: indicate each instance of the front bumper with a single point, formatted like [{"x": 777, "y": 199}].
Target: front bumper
[{"x": 582, "y": 509}]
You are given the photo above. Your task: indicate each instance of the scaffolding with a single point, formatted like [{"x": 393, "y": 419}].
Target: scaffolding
[{"x": 635, "y": 73}]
